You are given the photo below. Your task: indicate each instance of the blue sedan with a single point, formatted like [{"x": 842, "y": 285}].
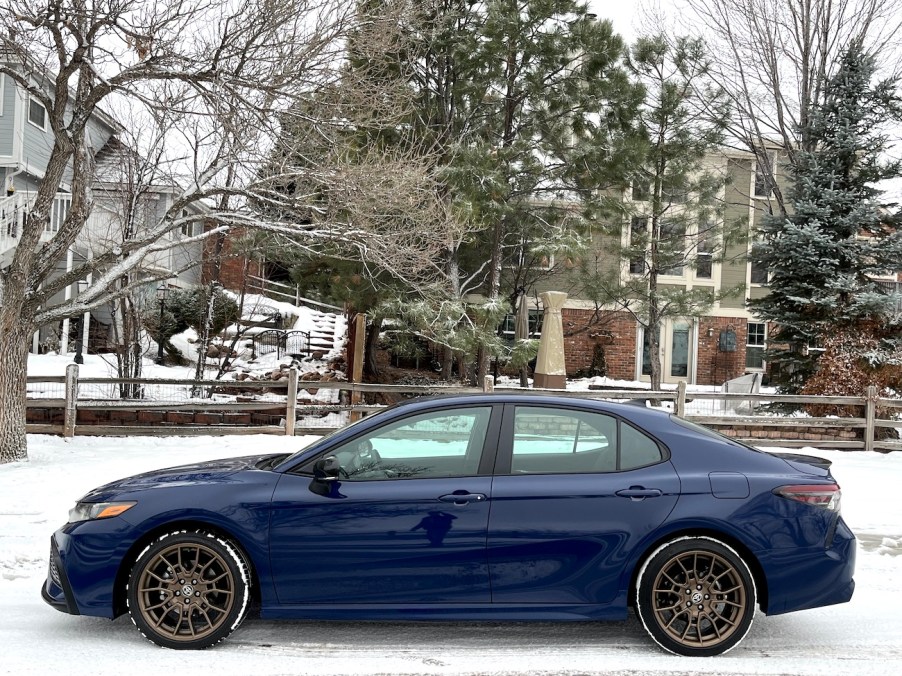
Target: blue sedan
[{"x": 484, "y": 507}]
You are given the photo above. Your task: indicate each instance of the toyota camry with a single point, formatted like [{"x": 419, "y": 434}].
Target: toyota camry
[{"x": 487, "y": 507}]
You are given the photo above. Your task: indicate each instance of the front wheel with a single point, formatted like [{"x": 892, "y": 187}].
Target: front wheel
[
  {"x": 188, "y": 590},
  {"x": 696, "y": 596}
]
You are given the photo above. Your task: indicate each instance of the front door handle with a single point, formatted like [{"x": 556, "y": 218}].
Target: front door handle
[
  {"x": 463, "y": 497},
  {"x": 639, "y": 493}
]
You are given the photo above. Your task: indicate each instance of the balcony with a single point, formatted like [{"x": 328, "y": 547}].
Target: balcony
[{"x": 13, "y": 212}]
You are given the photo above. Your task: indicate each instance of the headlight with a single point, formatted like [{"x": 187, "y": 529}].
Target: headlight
[{"x": 86, "y": 511}]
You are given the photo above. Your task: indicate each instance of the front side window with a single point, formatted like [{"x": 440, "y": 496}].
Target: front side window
[
  {"x": 37, "y": 114},
  {"x": 557, "y": 441},
  {"x": 430, "y": 445}
]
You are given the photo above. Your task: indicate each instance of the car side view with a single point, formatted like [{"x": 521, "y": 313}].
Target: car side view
[{"x": 485, "y": 507}]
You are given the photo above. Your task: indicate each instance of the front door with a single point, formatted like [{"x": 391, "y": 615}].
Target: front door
[{"x": 405, "y": 523}]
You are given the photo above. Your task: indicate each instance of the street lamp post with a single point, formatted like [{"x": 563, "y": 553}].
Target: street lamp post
[
  {"x": 80, "y": 328},
  {"x": 162, "y": 294}
]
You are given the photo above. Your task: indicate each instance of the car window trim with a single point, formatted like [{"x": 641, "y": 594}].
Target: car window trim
[
  {"x": 487, "y": 453},
  {"x": 505, "y": 452}
]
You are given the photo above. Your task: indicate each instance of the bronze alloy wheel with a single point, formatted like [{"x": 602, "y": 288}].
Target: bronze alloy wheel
[
  {"x": 187, "y": 591},
  {"x": 697, "y": 597}
]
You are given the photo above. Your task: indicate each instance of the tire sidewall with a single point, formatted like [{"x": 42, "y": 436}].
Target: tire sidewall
[
  {"x": 645, "y": 582},
  {"x": 237, "y": 568}
]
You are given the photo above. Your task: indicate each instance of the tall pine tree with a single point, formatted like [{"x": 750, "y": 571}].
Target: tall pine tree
[{"x": 822, "y": 256}]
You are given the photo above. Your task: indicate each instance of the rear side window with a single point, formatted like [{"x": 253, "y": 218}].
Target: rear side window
[
  {"x": 637, "y": 449},
  {"x": 558, "y": 441}
]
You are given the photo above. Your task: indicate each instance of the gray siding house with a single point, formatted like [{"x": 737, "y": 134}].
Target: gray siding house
[{"x": 25, "y": 145}]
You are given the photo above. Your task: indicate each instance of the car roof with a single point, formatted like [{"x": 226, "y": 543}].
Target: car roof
[{"x": 632, "y": 409}]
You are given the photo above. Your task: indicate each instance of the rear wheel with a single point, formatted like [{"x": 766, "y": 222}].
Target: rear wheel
[
  {"x": 188, "y": 590},
  {"x": 696, "y": 596}
]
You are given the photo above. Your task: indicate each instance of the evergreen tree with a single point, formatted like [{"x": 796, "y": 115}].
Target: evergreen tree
[
  {"x": 673, "y": 220},
  {"x": 523, "y": 112},
  {"x": 822, "y": 256}
]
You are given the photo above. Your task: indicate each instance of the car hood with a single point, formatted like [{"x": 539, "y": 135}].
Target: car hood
[{"x": 211, "y": 471}]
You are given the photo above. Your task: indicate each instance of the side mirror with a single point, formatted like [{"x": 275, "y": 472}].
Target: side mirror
[{"x": 327, "y": 469}]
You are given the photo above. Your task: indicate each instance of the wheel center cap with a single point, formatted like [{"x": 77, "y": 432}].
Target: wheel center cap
[
  {"x": 187, "y": 590},
  {"x": 697, "y": 597}
]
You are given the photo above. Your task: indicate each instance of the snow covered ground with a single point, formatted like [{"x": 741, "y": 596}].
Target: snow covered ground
[{"x": 861, "y": 637}]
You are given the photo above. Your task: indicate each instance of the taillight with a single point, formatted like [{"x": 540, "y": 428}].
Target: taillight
[{"x": 826, "y": 496}]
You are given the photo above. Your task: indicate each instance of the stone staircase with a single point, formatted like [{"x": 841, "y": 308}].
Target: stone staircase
[{"x": 328, "y": 333}]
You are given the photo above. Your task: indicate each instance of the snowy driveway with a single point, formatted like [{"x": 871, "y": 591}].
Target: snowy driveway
[{"x": 861, "y": 637}]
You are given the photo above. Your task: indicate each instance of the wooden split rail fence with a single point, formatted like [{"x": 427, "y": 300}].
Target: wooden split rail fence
[{"x": 280, "y": 399}]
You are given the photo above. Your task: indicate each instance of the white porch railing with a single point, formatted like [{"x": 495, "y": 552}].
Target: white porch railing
[{"x": 13, "y": 212}]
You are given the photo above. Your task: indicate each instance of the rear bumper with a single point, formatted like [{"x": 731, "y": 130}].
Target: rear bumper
[{"x": 812, "y": 577}]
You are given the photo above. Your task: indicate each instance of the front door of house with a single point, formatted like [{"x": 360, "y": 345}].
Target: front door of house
[{"x": 676, "y": 350}]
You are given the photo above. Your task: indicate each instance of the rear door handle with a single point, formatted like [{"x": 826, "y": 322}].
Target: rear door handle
[
  {"x": 463, "y": 497},
  {"x": 639, "y": 493}
]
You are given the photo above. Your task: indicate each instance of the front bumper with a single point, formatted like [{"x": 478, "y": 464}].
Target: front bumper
[
  {"x": 85, "y": 559},
  {"x": 57, "y": 591}
]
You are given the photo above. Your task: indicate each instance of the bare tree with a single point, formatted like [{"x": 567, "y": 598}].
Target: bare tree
[
  {"x": 774, "y": 58},
  {"x": 220, "y": 72}
]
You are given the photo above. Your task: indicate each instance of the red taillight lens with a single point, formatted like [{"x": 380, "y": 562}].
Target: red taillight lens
[{"x": 826, "y": 496}]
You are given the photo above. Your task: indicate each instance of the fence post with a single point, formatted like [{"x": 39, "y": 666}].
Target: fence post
[
  {"x": 71, "y": 400},
  {"x": 488, "y": 384},
  {"x": 679, "y": 404},
  {"x": 870, "y": 413},
  {"x": 291, "y": 401},
  {"x": 357, "y": 363}
]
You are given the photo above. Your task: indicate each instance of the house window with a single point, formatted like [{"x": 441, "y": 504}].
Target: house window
[
  {"x": 527, "y": 256},
  {"x": 764, "y": 177},
  {"x": 641, "y": 191},
  {"x": 638, "y": 237},
  {"x": 759, "y": 273},
  {"x": 674, "y": 193},
  {"x": 671, "y": 248},
  {"x": 37, "y": 114},
  {"x": 755, "y": 345},
  {"x": 187, "y": 228},
  {"x": 508, "y": 326},
  {"x": 704, "y": 260}
]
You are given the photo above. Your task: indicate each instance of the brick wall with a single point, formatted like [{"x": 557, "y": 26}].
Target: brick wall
[
  {"x": 232, "y": 264},
  {"x": 616, "y": 333},
  {"x": 715, "y": 367},
  {"x": 87, "y": 417}
]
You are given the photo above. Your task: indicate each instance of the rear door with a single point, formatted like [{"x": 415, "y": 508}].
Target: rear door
[{"x": 574, "y": 492}]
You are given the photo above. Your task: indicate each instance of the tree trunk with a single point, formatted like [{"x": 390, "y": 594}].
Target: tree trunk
[
  {"x": 447, "y": 363},
  {"x": 13, "y": 381},
  {"x": 370, "y": 368}
]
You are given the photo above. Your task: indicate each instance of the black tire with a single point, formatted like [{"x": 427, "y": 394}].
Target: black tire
[
  {"x": 188, "y": 590},
  {"x": 696, "y": 597}
]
